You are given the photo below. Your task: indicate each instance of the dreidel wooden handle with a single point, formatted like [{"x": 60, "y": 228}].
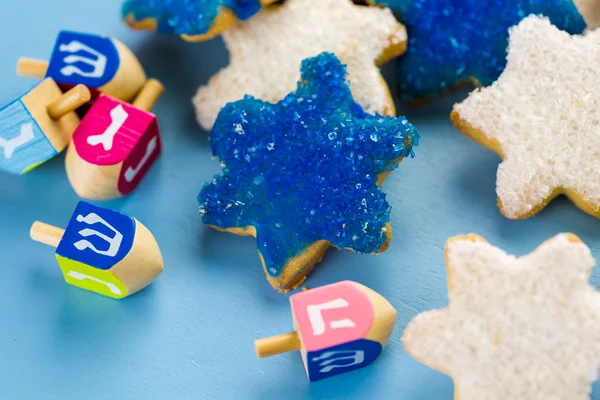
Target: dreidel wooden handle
[
  {"x": 148, "y": 95},
  {"x": 69, "y": 101},
  {"x": 279, "y": 344},
  {"x": 47, "y": 234},
  {"x": 31, "y": 67}
]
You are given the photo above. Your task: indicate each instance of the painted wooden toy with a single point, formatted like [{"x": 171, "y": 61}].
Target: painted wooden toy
[
  {"x": 103, "y": 251},
  {"x": 101, "y": 63},
  {"x": 114, "y": 146},
  {"x": 338, "y": 328},
  {"x": 38, "y": 125}
]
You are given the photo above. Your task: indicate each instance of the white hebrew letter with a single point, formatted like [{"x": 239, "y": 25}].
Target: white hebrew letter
[
  {"x": 131, "y": 173},
  {"x": 114, "y": 243},
  {"x": 99, "y": 63},
  {"x": 357, "y": 358},
  {"x": 80, "y": 277},
  {"x": 118, "y": 116},
  {"x": 25, "y": 136},
  {"x": 316, "y": 318}
]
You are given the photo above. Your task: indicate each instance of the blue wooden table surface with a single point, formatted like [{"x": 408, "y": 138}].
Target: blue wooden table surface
[{"x": 190, "y": 334}]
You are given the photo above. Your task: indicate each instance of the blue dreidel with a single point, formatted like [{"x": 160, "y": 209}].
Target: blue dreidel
[
  {"x": 101, "y": 63},
  {"x": 103, "y": 251},
  {"x": 38, "y": 125}
]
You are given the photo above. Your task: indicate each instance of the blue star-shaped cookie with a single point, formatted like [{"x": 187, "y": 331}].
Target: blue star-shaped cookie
[
  {"x": 305, "y": 170},
  {"x": 450, "y": 42},
  {"x": 191, "y": 18}
]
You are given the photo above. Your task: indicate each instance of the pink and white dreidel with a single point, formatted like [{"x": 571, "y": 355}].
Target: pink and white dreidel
[
  {"x": 338, "y": 328},
  {"x": 115, "y": 145}
]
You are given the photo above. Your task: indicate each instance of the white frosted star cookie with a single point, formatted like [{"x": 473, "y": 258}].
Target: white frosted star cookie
[
  {"x": 542, "y": 116},
  {"x": 266, "y": 52},
  {"x": 523, "y": 328}
]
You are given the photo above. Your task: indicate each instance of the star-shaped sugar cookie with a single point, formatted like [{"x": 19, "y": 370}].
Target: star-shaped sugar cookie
[
  {"x": 265, "y": 53},
  {"x": 523, "y": 328},
  {"x": 542, "y": 117},
  {"x": 302, "y": 174},
  {"x": 452, "y": 42},
  {"x": 194, "y": 20}
]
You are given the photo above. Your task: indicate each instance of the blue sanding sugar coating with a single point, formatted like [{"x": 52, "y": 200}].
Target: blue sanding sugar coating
[
  {"x": 191, "y": 17},
  {"x": 450, "y": 41},
  {"x": 305, "y": 169}
]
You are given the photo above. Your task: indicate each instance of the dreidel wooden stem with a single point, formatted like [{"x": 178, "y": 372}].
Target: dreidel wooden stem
[
  {"x": 46, "y": 234},
  {"x": 32, "y": 67},
  {"x": 148, "y": 95},
  {"x": 69, "y": 101},
  {"x": 284, "y": 343}
]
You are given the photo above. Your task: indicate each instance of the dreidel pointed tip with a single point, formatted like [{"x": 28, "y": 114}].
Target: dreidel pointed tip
[
  {"x": 143, "y": 263},
  {"x": 384, "y": 315}
]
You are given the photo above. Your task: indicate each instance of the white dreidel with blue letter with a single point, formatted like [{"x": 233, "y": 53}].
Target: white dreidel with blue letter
[
  {"x": 101, "y": 63},
  {"x": 38, "y": 125},
  {"x": 338, "y": 328},
  {"x": 103, "y": 251}
]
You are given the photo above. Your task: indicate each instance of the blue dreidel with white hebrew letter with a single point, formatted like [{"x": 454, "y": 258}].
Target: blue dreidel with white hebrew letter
[
  {"x": 338, "y": 328},
  {"x": 38, "y": 125},
  {"x": 101, "y": 63},
  {"x": 103, "y": 251}
]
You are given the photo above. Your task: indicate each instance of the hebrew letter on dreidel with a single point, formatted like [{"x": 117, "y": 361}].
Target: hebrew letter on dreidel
[
  {"x": 357, "y": 357},
  {"x": 316, "y": 317},
  {"x": 131, "y": 172},
  {"x": 80, "y": 277},
  {"x": 99, "y": 64},
  {"x": 25, "y": 136},
  {"x": 114, "y": 243},
  {"x": 118, "y": 116}
]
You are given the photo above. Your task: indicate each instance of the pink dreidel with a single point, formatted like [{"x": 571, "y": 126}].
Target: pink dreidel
[
  {"x": 115, "y": 145},
  {"x": 338, "y": 328}
]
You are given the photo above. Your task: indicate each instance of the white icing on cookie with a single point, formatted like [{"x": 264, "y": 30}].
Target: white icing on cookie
[
  {"x": 523, "y": 328},
  {"x": 266, "y": 52},
  {"x": 544, "y": 112}
]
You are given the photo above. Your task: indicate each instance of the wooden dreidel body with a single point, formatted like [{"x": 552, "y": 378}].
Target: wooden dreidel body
[
  {"x": 338, "y": 328},
  {"x": 101, "y": 63},
  {"x": 114, "y": 146},
  {"x": 38, "y": 125},
  {"x": 103, "y": 251}
]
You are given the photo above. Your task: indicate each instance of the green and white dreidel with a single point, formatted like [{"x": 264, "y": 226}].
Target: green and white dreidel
[{"x": 103, "y": 251}]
